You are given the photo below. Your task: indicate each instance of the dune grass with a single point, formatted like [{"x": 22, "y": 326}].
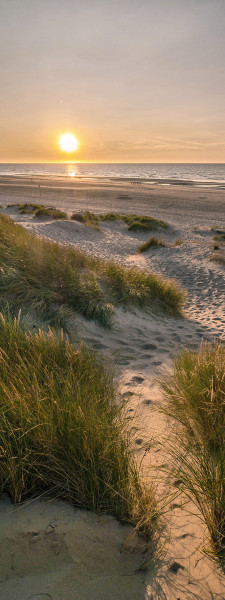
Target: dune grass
[
  {"x": 134, "y": 222},
  {"x": 195, "y": 398},
  {"x": 142, "y": 223},
  {"x": 52, "y": 213},
  {"x": 38, "y": 210},
  {"x": 153, "y": 242},
  {"x": 219, "y": 234},
  {"x": 62, "y": 430},
  {"x": 218, "y": 257},
  {"x": 87, "y": 218},
  {"x": 43, "y": 275}
]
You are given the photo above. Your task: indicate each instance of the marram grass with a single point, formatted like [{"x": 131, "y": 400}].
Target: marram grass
[
  {"x": 44, "y": 275},
  {"x": 134, "y": 222},
  {"x": 63, "y": 431},
  {"x": 153, "y": 242},
  {"x": 195, "y": 398},
  {"x": 38, "y": 210}
]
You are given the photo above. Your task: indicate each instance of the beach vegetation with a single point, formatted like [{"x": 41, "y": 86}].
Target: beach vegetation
[
  {"x": 178, "y": 242},
  {"x": 134, "y": 222},
  {"x": 63, "y": 432},
  {"x": 143, "y": 223},
  {"x": 42, "y": 275},
  {"x": 153, "y": 242},
  {"x": 218, "y": 257},
  {"x": 87, "y": 218},
  {"x": 195, "y": 397},
  {"x": 219, "y": 234},
  {"x": 38, "y": 210},
  {"x": 51, "y": 213}
]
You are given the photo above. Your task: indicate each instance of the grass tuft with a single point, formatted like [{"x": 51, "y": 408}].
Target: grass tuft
[
  {"x": 42, "y": 274},
  {"x": 218, "y": 257},
  {"x": 52, "y": 213},
  {"x": 153, "y": 242},
  {"x": 38, "y": 210},
  {"x": 141, "y": 223},
  {"x": 62, "y": 430},
  {"x": 195, "y": 398},
  {"x": 134, "y": 222},
  {"x": 87, "y": 218},
  {"x": 219, "y": 234}
]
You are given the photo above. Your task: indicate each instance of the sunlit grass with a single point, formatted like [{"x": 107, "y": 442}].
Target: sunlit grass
[
  {"x": 153, "y": 242},
  {"x": 44, "y": 275},
  {"x": 195, "y": 398},
  {"x": 87, "y": 218},
  {"x": 63, "y": 430},
  {"x": 38, "y": 210},
  {"x": 134, "y": 222},
  {"x": 218, "y": 257}
]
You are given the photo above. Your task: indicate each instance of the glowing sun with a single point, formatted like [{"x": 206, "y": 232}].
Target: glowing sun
[{"x": 68, "y": 142}]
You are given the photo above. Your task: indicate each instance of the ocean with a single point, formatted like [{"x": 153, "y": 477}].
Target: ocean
[{"x": 161, "y": 174}]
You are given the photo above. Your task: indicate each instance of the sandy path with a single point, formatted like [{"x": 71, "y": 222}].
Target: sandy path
[{"x": 141, "y": 345}]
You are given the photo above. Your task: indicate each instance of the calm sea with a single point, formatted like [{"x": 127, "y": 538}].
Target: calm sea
[{"x": 163, "y": 174}]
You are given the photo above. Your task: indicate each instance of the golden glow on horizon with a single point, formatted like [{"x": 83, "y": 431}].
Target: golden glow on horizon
[{"x": 68, "y": 142}]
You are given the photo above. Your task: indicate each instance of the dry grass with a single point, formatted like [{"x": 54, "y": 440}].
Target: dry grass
[
  {"x": 195, "y": 398},
  {"x": 133, "y": 222},
  {"x": 153, "y": 242},
  {"x": 63, "y": 431},
  {"x": 87, "y": 218},
  {"x": 218, "y": 257},
  {"x": 38, "y": 210},
  {"x": 45, "y": 275}
]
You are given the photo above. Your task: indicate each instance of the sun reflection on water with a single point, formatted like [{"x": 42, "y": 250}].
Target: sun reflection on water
[{"x": 71, "y": 171}]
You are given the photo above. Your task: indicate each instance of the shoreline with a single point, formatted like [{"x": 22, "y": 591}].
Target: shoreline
[{"x": 129, "y": 180}]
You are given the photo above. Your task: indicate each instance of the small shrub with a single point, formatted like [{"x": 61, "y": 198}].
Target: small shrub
[{"x": 153, "y": 242}]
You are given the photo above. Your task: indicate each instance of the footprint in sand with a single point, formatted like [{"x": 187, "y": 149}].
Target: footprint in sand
[
  {"x": 40, "y": 597},
  {"x": 149, "y": 347},
  {"x": 127, "y": 394},
  {"x": 139, "y": 441},
  {"x": 99, "y": 346},
  {"x": 137, "y": 379}
]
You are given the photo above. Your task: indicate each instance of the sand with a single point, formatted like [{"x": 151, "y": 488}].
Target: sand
[{"x": 52, "y": 550}]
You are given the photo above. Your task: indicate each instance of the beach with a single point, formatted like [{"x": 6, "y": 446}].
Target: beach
[{"x": 64, "y": 554}]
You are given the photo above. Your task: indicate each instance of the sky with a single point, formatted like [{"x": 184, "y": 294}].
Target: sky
[{"x": 134, "y": 80}]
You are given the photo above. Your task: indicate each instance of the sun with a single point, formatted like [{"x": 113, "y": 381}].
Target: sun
[{"x": 68, "y": 142}]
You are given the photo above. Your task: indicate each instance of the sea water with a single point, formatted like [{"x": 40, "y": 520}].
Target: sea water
[{"x": 161, "y": 174}]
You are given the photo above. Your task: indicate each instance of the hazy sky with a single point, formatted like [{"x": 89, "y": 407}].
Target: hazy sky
[{"x": 139, "y": 81}]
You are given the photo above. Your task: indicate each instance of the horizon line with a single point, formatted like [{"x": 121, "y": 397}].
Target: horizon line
[{"x": 63, "y": 162}]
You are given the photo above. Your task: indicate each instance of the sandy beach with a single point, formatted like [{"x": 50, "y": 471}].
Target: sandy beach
[{"x": 51, "y": 550}]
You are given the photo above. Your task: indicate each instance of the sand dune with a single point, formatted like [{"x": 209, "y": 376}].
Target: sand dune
[{"x": 51, "y": 550}]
